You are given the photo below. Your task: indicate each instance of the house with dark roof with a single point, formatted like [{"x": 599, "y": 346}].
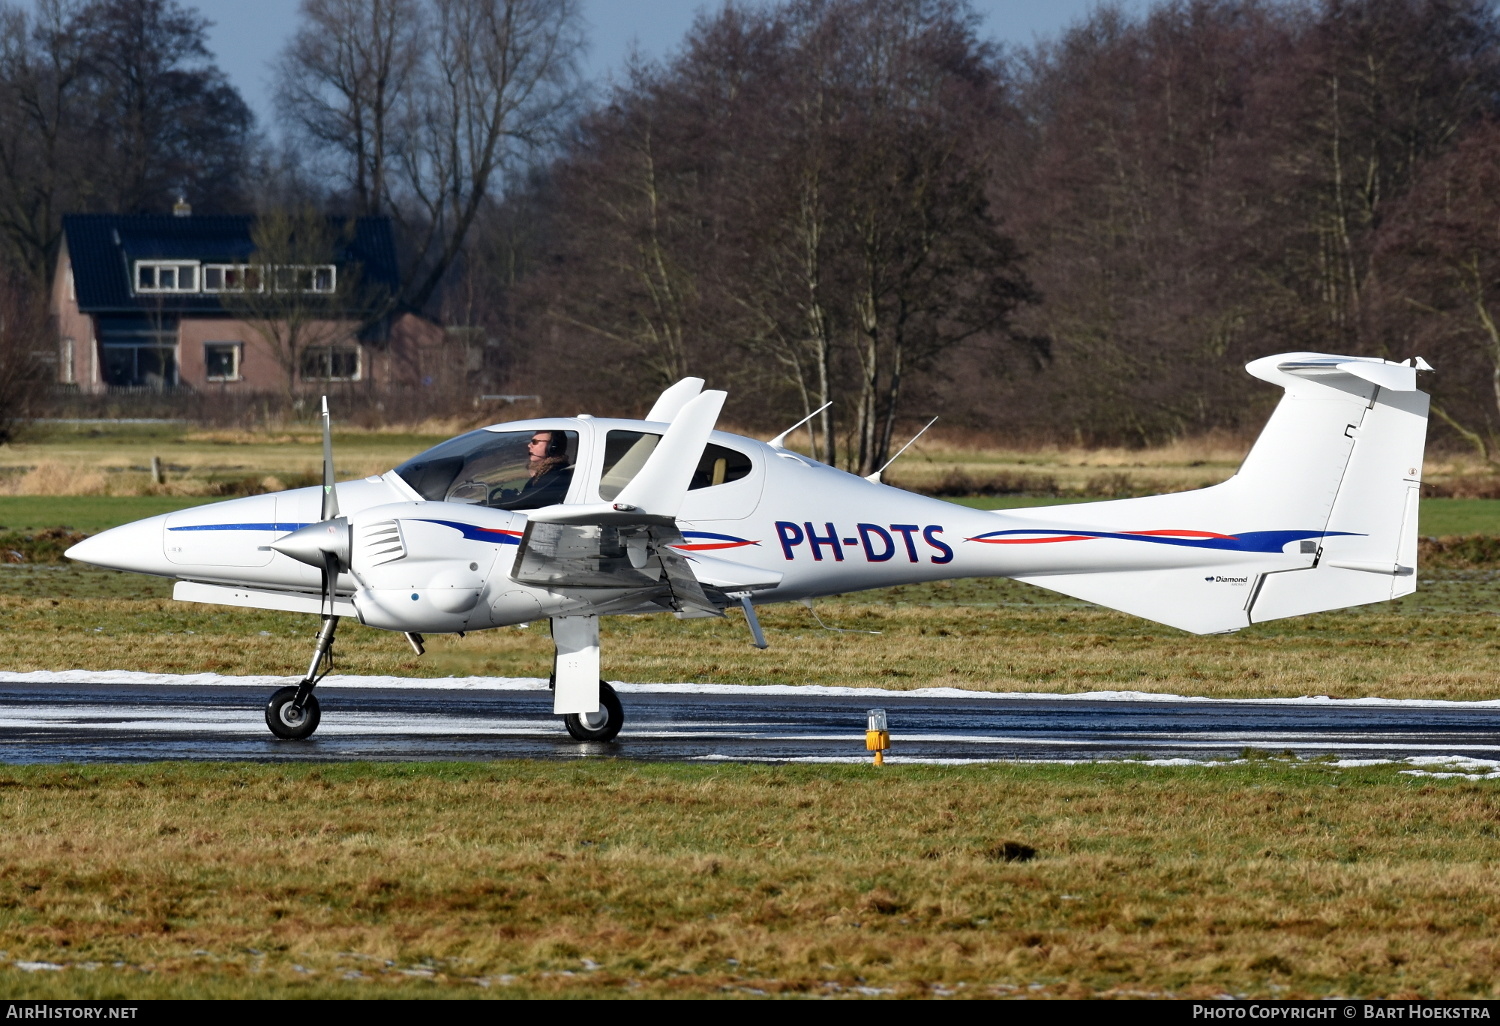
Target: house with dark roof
[{"x": 174, "y": 301}]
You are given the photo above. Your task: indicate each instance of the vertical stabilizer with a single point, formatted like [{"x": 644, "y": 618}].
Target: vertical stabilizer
[{"x": 1322, "y": 514}]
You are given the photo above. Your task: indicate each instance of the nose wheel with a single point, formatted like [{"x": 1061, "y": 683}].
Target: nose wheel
[
  {"x": 293, "y": 713},
  {"x": 289, "y": 722},
  {"x": 597, "y": 726}
]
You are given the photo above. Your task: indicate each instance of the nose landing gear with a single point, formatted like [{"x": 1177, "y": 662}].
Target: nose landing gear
[{"x": 293, "y": 713}]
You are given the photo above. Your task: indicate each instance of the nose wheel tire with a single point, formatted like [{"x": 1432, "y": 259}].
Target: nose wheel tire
[
  {"x": 596, "y": 726},
  {"x": 288, "y": 723}
]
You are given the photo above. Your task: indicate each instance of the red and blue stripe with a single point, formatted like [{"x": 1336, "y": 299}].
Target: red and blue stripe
[{"x": 1249, "y": 541}]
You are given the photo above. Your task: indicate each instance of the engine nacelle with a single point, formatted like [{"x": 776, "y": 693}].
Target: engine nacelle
[
  {"x": 419, "y": 610},
  {"x": 424, "y": 566}
]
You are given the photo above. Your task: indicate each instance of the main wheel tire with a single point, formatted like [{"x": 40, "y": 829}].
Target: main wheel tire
[
  {"x": 288, "y": 723},
  {"x": 602, "y": 725}
]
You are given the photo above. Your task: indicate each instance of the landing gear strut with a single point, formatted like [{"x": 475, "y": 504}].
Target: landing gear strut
[
  {"x": 575, "y": 668},
  {"x": 293, "y": 713}
]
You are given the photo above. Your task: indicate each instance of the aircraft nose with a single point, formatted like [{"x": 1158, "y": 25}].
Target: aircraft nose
[{"x": 136, "y": 547}]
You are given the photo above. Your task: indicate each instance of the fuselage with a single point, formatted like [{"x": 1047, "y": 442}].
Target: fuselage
[{"x": 434, "y": 552}]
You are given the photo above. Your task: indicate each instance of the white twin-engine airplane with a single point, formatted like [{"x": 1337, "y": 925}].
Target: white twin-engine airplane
[{"x": 577, "y": 518}]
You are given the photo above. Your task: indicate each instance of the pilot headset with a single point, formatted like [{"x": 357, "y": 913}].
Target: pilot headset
[{"x": 558, "y": 444}]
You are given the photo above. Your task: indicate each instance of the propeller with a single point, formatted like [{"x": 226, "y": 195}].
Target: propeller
[
  {"x": 330, "y": 491},
  {"x": 326, "y": 544}
]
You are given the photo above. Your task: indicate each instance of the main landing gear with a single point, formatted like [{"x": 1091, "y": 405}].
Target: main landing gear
[{"x": 293, "y": 713}]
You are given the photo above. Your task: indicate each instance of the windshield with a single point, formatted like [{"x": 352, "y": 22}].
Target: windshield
[{"x": 501, "y": 469}]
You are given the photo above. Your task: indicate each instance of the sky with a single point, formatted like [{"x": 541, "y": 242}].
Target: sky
[{"x": 246, "y": 37}]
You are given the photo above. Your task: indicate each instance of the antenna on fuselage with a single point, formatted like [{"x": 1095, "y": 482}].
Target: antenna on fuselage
[
  {"x": 875, "y": 477},
  {"x": 779, "y": 442}
]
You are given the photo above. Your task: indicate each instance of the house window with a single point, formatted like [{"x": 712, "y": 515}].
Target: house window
[
  {"x": 330, "y": 363},
  {"x": 138, "y": 352},
  {"x": 231, "y": 278},
  {"x": 221, "y": 360},
  {"x": 322, "y": 278},
  {"x": 165, "y": 276},
  {"x": 66, "y": 358}
]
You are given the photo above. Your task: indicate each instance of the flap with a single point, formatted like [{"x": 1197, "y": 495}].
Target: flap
[{"x": 606, "y": 556}]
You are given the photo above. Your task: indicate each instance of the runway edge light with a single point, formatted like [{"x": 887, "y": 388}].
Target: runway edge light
[{"x": 877, "y": 738}]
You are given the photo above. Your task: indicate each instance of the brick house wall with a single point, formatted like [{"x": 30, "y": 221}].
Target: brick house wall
[{"x": 101, "y": 324}]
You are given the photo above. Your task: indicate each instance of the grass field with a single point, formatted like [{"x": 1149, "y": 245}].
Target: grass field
[
  {"x": 1263, "y": 878},
  {"x": 988, "y": 635},
  {"x": 114, "y": 459}
]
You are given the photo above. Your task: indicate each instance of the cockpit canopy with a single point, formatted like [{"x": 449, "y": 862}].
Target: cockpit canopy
[{"x": 531, "y": 469}]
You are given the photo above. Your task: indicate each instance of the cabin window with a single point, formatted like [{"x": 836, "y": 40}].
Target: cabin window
[
  {"x": 165, "y": 276},
  {"x": 221, "y": 360},
  {"x": 330, "y": 363},
  {"x": 500, "y": 469},
  {"x": 720, "y": 465},
  {"x": 625, "y": 452}
]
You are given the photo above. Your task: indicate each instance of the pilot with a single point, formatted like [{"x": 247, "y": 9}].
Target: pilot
[{"x": 548, "y": 472}]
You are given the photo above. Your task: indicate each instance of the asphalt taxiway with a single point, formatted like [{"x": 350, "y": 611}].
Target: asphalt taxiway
[{"x": 120, "y": 717}]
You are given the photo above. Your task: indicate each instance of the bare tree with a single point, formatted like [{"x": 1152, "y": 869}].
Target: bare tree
[
  {"x": 25, "y": 345},
  {"x": 42, "y": 66},
  {"x": 343, "y": 81},
  {"x": 1437, "y": 285},
  {"x": 426, "y": 104},
  {"x": 109, "y": 104},
  {"x": 162, "y": 114},
  {"x": 500, "y": 79},
  {"x": 298, "y": 295}
]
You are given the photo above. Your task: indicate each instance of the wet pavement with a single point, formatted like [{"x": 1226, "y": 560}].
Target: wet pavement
[{"x": 80, "y": 721}]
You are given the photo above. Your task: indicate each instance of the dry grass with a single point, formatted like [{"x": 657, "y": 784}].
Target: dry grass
[
  {"x": 116, "y": 461},
  {"x": 606, "y": 878},
  {"x": 982, "y": 635},
  {"x": 54, "y": 478},
  {"x": 113, "y": 460}
]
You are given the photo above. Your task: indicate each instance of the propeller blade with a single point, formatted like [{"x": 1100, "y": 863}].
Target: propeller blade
[{"x": 330, "y": 492}]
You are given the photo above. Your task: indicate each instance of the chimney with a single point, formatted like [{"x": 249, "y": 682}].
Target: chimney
[{"x": 182, "y": 208}]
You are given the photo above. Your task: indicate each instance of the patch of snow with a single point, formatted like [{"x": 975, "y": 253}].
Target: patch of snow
[{"x": 136, "y": 677}]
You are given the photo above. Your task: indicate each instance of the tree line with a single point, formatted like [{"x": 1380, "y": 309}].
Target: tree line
[
  {"x": 863, "y": 201},
  {"x": 859, "y": 210}
]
